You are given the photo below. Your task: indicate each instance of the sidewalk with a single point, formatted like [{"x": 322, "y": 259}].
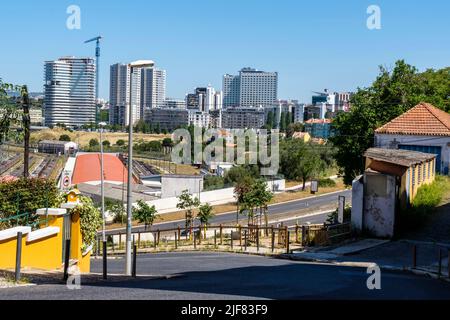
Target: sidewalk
[{"x": 389, "y": 255}]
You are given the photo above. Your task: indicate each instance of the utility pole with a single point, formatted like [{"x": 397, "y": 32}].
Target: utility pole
[
  {"x": 26, "y": 127},
  {"x": 102, "y": 179},
  {"x": 97, "y": 72}
]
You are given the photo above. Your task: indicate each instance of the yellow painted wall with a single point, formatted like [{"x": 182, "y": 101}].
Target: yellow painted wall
[{"x": 46, "y": 253}]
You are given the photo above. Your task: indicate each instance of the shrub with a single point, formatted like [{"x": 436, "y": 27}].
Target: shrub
[
  {"x": 28, "y": 195},
  {"x": 428, "y": 197},
  {"x": 327, "y": 183},
  {"x": 213, "y": 183},
  {"x": 90, "y": 220},
  {"x": 333, "y": 217},
  {"x": 64, "y": 137}
]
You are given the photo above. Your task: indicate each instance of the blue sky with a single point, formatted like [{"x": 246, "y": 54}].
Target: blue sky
[{"x": 312, "y": 44}]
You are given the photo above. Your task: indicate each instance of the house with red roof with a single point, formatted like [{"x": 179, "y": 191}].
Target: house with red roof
[{"x": 423, "y": 128}]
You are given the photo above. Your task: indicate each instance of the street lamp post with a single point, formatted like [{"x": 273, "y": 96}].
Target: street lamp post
[{"x": 102, "y": 187}]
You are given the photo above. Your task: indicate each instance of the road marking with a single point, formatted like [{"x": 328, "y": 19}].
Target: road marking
[{"x": 233, "y": 212}]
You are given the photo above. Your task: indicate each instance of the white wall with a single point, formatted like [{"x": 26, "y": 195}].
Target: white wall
[
  {"x": 357, "y": 204},
  {"x": 391, "y": 141},
  {"x": 379, "y": 205},
  {"x": 215, "y": 197}
]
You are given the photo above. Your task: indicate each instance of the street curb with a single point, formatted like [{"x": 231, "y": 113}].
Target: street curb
[{"x": 367, "y": 264}]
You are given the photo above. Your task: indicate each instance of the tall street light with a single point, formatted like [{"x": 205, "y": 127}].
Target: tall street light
[
  {"x": 140, "y": 64},
  {"x": 102, "y": 184}
]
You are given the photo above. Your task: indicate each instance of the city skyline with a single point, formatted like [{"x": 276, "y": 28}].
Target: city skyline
[{"x": 311, "y": 46}]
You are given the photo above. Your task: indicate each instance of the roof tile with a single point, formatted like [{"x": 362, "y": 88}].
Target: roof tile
[{"x": 424, "y": 120}]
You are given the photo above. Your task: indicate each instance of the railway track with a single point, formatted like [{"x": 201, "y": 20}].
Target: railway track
[{"x": 10, "y": 163}]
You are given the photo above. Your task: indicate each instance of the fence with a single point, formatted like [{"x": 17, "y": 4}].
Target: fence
[
  {"x": 269, "y": 239},
  {"x": 431, "y": 257}
]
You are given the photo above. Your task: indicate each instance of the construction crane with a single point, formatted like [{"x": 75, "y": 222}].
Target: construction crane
[{"x": 97, "y": 71}]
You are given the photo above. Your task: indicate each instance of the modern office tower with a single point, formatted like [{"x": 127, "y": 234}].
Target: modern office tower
[
  {"x": 169, "y": 119},
  {"x": 204, "y": 99},
  {"x": 243, "y": 118},
  {"x": 119, "y": 94},
  {"x": 139, "y": 85},
  {"x": 153, "y": 86},
  {"x": 251, "y": 88},
  {"x": 231, "y": 89},
  {"x": 69, "y": 91}
]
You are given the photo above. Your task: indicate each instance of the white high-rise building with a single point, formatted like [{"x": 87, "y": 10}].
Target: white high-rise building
[
  {"x": 69, "y": 91},
  {"x": 138, "y": 85},
  {"x": 119, "y": 93},
  {"x": 251, "y": 88}
]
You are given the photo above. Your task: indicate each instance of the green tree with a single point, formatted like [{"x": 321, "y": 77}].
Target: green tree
[
  {"x": 300, "y": 161},
  {"x": 64, "y": 137},
  {"x": 93, "y": 143},
  {"x": 294, "y": 127},
  {"x": 120, "y": 142},
  {"x": 145, "y": 213},
  {"x": 188, "y": 203},
  {"x": 205, "y": 213},
  {"x": 270, "y": 120},
  {"x": 391, "y": 94},
  {"x": 106, "y": 144}
]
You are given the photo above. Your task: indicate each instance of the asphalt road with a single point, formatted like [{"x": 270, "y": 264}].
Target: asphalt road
[
  {"x": 300, "y": 207},
  {"x": 232, "y": 276}
]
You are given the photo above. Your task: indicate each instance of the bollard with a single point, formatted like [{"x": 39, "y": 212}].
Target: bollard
[
  {"x": 154, "y": 240},
  {"x": 273, "y": 240},
  {"x": 120, "y": 241},
  {"x": 66, "y": 260},
  {"x": 105, "y": 260},
  {"x": 296, "y": 233},
  {"x": 221, "y": 235},
  {"x": 414, "y": 256},
  {"x": 179, "y": 233},
  {"x": 159, "y": 236},
  {"x": 288, "y": 234},
  {"x": 18, "y": 256},
  {"x": 133, "y": 273}
]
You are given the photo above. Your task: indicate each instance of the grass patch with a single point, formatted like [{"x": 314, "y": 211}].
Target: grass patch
[{"x": 428, "y": 198}]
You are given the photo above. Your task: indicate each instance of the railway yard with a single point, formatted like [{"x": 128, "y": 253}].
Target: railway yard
[{"x": 40, "y": 165}]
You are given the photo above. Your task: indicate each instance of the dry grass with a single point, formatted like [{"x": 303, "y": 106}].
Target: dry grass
[
  {"x": 174, "y": 168},
  {"x": 83, "y": 138},
  {"x": 288, "y": 196}
]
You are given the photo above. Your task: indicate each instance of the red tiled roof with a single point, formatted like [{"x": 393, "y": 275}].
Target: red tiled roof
[
  {"x": 87, "y": 169},
  {"x": 423, "y": 120}
]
